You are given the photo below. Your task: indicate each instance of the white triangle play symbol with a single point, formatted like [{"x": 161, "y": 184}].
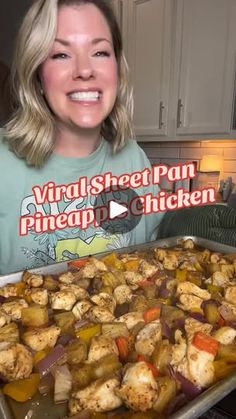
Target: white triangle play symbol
[{"x": 116, "y": 209}]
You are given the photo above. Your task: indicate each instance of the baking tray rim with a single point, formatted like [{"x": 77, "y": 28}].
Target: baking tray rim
[{"x": 209, "y": 397}]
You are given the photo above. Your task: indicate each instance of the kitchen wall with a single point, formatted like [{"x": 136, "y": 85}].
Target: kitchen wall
[
  {"x": 181, "y": 152},
  {"x": 11, "y": 12}
]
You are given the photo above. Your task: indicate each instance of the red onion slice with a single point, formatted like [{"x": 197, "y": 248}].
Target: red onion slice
[
  {"x": 65, "y": 339},
  {"x": 81, "y": 323},
  {"x": 188, "y": 388},
  {"x": 45, "y": 365},
  {"x": 199, "y": 317},
  {"x": 211, "y": 301},
  {"x": 46, "y": 384}
]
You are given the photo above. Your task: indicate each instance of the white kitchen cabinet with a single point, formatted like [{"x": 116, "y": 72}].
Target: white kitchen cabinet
[
  {"x": 182, "y": 58},
  {"x": 205, "y": 51},
  {"x": 148, "y": 53},
  {"x": 120, "y": 8}
]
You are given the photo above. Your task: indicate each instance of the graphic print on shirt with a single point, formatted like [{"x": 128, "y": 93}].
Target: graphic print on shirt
[{"x": 69, "y": 243}]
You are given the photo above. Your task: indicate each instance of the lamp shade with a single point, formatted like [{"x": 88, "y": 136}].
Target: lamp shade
[{"x": 211, "y": 163}]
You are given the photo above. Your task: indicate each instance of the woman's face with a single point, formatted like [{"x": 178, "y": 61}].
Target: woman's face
[{"x": 80, "y": 75}]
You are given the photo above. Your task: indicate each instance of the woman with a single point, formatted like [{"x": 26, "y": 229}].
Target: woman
[{"x": 72, "y": 121}]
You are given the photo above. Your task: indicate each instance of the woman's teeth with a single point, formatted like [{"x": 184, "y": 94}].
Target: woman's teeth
[{"x": 85, "y": 96}]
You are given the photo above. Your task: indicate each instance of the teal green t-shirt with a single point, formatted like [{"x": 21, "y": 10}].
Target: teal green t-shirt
[{"x": 24, "y": 248}]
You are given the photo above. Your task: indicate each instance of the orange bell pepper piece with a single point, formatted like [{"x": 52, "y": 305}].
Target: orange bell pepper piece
[
  {"x": 152, "y": 314},
  {"x": 206, "y": 343},
  {"x": 146, "y": 283},
  {"x": 78, "y": 263},
  {"x": 152, "y": 367},
  {"x": 22, "y": 390},
  {"x": 123, "y": 347}
]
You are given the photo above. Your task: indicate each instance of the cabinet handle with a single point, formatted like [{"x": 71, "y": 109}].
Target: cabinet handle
[
  {"x": 179, "y": 114},
  {"x": 161, "y": 109}
]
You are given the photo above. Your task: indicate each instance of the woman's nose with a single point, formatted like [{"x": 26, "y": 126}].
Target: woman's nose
[{"x": 83, "y": 68}]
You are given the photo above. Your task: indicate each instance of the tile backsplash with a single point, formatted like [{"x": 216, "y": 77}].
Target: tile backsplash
[{"x": 182, "y": 152}]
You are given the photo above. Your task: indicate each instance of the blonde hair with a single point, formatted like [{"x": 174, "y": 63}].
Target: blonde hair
[{"x": 31, "y": 130}]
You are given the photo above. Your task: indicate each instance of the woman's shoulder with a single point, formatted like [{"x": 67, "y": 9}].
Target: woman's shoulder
[
  {"x": 133, "y": 153},
  {"x": 8, "y": 159}
]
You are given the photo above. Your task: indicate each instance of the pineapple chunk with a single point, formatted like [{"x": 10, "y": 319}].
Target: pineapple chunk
[{"x": 34, "y": 316}]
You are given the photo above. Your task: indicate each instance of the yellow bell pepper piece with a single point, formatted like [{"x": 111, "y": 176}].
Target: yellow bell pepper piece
[
  {"x": 21, "y": 286},
  {"x": 132, "y": 265},
  {"x": 113, "y": 261},
  {"x": 181, "y": 275},
  {"x": 222, "y": 369},
  {"x": 196, "y": 281},
  {"x": 197, "y": 310},
  {"x": 214, "y": 288},
  {"x": 198, "y": 267},
  {"x": 41, "y": 355},
  {"x": 107, "y": 290},
  {"x": 87, "y": 334},
  {"x": 22, "y": 390}
]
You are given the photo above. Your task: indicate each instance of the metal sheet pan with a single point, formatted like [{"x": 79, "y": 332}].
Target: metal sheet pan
[{"x": 42, "y": 407}]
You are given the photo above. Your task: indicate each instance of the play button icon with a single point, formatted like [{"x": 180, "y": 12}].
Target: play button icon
[{"x": 114, "y": 210}]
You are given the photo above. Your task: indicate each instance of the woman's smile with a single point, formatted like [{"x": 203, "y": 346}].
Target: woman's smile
[{"x": 80, "y": 75}]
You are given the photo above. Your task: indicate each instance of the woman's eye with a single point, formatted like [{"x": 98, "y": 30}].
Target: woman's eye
[
  {"x": 59, "y": 55},
  {"x": 102, "y": 54}
]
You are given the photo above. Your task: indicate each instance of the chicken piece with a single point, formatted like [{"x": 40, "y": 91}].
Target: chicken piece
[
  {"x": 38, "y": 295},
  {"x": 41, "y": 338},
  {"x": 170, "y": 262},
  {"x": 225, "y": 335},
  {"x": 62, "y": 300},
  {"x": 147, "y": 338},
  {"x": 147, "y": 269},
  {"x": 139, "y": 389},
  {"x": 92, "y": 268},
  {"x": 66, "y": 278},
  {"x": 160, "y": 254},
  {"x": 132, "y": 279},
  {"x": 4, "y": 318},
  {"x": 228, "y": 311},
  {"x": 16, "y": 362},
  {"x": 188, "y": 265},
  {"x": 230, "y": 294},
  {"x": 192, "y": 326},
  {"x": 200, "y": 366},
  {"x": 188, "y": 244},
  {"x": 220, "y": 279},
  {"x": 215, "y": 257},
  {"x": 33, "y": 280},
  {"x": 73, "y": 406},
  {"x": 81, "y": 308},
  {"x": 99, "y": 315},
  {"x": 104, "y": 300},
  {"x": 190, "y": 302},
  {"x": 122, "y": 294},
  {"x": 228, "y": 269},
  {"x": 9, "y": 333},
  {"x": 190, "y": 288},
  {"x": 10, "y": 290},
  {"x": 79, "y": 292},
  {"x": 100, "y": 347},
  {"x": 179, "y": 349},
  {"x": 14, "y": 308},
  {"x": 100, "y": 396},
  {"x": 130, "y": 319}
]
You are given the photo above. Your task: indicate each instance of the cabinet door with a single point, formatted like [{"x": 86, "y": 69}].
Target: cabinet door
[
  {"x": 148, "y": 55},
  {"x": 207, "y": 65}
]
